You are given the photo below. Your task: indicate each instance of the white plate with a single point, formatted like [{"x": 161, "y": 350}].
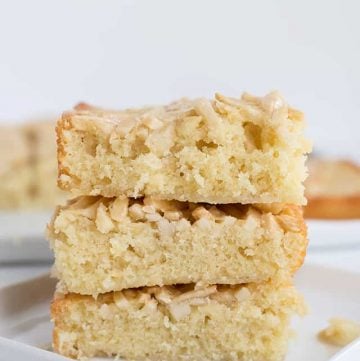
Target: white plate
[
  {"x": 22, "y": 236},
  {"x": 24, "y": 312},
  {"x": 333, "y": 234}
]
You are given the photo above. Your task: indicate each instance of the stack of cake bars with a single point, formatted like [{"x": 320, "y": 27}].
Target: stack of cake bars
[{"x": 185, "y": 233}]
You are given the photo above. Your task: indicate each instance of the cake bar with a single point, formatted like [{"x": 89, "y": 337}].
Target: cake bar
[
  {"x": 225, "y": 150},
  {"x": 28, "y": 167},
  {"x": 109, "y": 244},
  {"x": 15, "y": 168},
  {"x": 182, "y": 322},
  {"x": 333, "y": 189}
]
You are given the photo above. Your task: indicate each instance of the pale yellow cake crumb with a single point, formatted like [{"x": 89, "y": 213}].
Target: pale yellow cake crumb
[{"x": 340, "y": 332}]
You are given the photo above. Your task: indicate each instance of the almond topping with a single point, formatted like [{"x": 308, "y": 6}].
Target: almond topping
[
  {"x": 119, "y": 208},
  {"x": 242, "y": 294},
  {"x": 289, "y": 223},
  {"x": 153, "y": 217},
  {"x": 103, "y": 222},
  {"x": 123, "y": 128},
  {"x": 120, "y": 300},
  {"x": 85, "y": 206},
  {"x": 274, "y": 208},
  {"x": 173, "y": 215},
  {"x": 217, "y": 213},
  {"x": 152, "y": 122},
  {"x": 136, "y": 212},
  {"x": 201, "y": 212},
  {"x": 165, "y": 295},
  {"x": 195, "y": 294},
  {"x": 179, "y": 310},
  {"x": 148, "y": 209},
  {"x": 166, "y": 229},
  {"x": 164, "y": 205}
]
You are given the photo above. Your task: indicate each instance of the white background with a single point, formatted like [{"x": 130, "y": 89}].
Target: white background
[{"x": 123, "y": 53}]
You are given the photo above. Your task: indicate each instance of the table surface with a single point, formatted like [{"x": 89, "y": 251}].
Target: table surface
[{"x": 348, "y": 259}]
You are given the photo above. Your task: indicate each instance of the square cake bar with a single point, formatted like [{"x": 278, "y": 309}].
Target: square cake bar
[
  {"x": 183, "y": 322},
  {"x": 225, "y": 150},
  {"x": 109, "y": 244}
]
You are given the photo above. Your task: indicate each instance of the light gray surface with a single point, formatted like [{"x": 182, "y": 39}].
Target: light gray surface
[
  {"x": 14, "y": 273},
  {"x": 22, "y": 237},
  {"x": 17, "y": 351},
  {"x": 349, "y": 353}
]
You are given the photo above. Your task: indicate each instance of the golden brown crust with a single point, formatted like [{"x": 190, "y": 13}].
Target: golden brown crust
[
  {"x": 333, "y": 208},
  {"x": 58, "y": 308},
  {"x": 83, "y": 106},
  {"x": 56, "y": 311},
  {"x": 298, "y": 213},
  {"x": 64, "y": 123}
]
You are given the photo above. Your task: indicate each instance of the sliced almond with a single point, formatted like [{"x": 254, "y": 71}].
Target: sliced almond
[
  {"x": 217, "y": 213},
  {"x": 179, "y": 310},
  {"x": 120, "y": 300},
  {"x": 242, "y": 294},
  {"x": 136, "y": 212},
  {"x": 164, "y": 205},
  {"x": 119, "y": 208},
  {"x": 289, "y": 223},
  {"x": 151, "y": 122},
  {"x": 103, "y": 222},
  {"x": 205, "y": 292},
  {"x": 201, "y": 212},
  {"x": 173, "y": 215}
]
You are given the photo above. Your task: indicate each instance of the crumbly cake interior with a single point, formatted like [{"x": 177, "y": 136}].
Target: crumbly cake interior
[
  {"x": 106, "y": 244},
  {"x": 186, "y": 322},
  {"x": 225, "y": 150}
]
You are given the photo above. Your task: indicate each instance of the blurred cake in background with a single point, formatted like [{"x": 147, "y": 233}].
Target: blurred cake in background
[
  {"x": 333, "y": 189},
  {"x": 28, "y": 166},
  {"x": 15, "y": 168}
]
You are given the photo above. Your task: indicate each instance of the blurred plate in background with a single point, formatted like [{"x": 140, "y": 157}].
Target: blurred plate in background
[
  {"x": 333, "y": 234},
  {"x": 22, "y": 237}
]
